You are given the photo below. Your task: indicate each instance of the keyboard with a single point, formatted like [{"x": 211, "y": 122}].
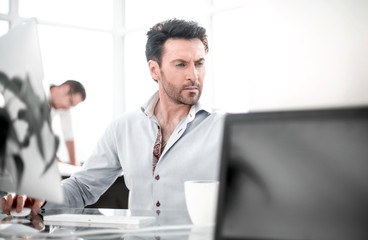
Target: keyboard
[{"x": 62, "y": 219}]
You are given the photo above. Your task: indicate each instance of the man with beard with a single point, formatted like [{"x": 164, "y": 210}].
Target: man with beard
[{"x": 171, "y": 139}]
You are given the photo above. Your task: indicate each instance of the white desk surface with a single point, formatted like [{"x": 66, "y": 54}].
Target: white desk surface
[{"x": 167, "y": 225}]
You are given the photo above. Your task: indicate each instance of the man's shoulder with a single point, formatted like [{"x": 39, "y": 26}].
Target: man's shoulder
[
  {"x": 210, "y": 118},
  {"x": 213, "y": 113}
]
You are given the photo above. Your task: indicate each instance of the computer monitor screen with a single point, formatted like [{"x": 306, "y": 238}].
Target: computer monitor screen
[
  {"x": 29, "y": 164},
  {"x": 295, "y": 175}
]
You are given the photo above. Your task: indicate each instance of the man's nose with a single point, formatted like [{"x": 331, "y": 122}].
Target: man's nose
[{"x": 192, "y": 73}]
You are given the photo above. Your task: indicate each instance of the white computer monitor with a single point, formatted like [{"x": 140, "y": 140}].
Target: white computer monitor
[{"x": 29, "y": 165}]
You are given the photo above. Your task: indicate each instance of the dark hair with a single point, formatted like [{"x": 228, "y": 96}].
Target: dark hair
[
  {"x": 76, "y": 87},
  {"x": 173, "y": 28}
]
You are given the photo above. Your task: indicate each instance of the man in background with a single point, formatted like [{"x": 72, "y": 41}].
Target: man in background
[{"x": 62, "y": 98}]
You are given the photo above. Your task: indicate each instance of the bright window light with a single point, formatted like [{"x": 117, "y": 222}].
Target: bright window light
[
  {"x": 87, "y": 13},
  {"x": 231, "y": 74},
  {"x": 229, "y": 3},
  {"x": 146, "y": 13},
  {"x": 4, "y": 6},
  {"x": 139, "y": 85}
]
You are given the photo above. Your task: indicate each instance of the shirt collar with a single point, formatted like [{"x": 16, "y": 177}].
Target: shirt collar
[{"x": 149, "y": 107}]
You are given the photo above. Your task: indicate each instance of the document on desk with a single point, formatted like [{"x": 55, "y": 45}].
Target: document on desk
[{"x": 61, "y": 219}]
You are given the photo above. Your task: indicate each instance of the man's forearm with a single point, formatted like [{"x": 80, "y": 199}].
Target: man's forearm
[{"x": 71, "y": 151}]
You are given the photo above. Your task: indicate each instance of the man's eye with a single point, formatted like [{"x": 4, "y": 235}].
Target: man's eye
[
  {"x": 199, "y": 64},
  {"x": 180, "y": 65}
]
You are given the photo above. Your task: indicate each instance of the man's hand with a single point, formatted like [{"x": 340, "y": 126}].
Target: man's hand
[{"x": 18, "y": 202}]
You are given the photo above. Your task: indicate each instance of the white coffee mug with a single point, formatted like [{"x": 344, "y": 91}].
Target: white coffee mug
[{"x": 201, "y": 199}]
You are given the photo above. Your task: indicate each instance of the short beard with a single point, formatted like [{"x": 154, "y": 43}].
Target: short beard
[{"x": 176, "y": 95}]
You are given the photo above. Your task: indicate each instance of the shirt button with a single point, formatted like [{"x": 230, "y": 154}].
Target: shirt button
[
  {"x": 158, "y": 204},
  {"x": 157, "y": 177}
]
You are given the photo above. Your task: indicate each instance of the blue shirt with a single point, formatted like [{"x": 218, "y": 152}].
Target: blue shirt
[{"x": 192, "y": 153}]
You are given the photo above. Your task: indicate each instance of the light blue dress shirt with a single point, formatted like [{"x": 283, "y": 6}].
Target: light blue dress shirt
[{"x": 192, "y": 153}]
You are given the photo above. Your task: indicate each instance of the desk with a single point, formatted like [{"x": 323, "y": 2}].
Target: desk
[{"x": 167, "y": 225}]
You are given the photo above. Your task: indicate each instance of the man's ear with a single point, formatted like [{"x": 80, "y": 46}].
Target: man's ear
[{"x": 154, "y": 69}]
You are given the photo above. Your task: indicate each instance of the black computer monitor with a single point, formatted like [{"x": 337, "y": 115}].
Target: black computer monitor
[
  {"x": 295, "y": 175},
  {"x": 28, "y": 163}
]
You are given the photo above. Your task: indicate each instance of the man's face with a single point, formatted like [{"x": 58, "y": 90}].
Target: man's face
[
  {"x": 64, "y": 99},
  {"x": 182, "y": 70}
]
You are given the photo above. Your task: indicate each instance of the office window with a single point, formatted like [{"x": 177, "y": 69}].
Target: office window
[
  {"x": 88, "y": 13},
  {"x": 4, "y": 6},
  {"x": 4, "y": 27}
]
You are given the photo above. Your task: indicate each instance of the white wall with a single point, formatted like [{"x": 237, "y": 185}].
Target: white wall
[{"x": 282, "y": 54}]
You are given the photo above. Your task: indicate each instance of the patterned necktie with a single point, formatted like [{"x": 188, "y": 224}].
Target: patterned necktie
[{"x": 157, "y": 150}]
